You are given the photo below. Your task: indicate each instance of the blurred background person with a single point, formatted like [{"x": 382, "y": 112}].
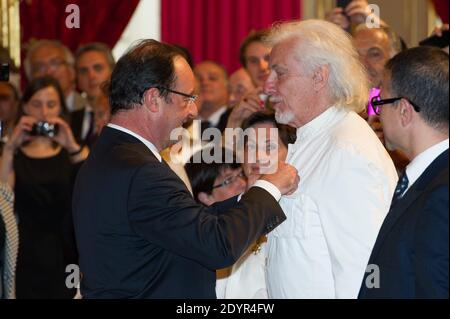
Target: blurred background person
[
  {"x": 51, "y": 57},
  {"x": 40, "y": 165},
  {"x": 254, "y": 56},
  {"x": 213, "y": 80},
  {"x": 9, "y": 102},
  {"x": 240, "y": 84},
  {"x": 94, "y": 63}
]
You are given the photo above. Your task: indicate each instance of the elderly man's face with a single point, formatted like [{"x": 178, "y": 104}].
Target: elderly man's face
[
  {"x": 50, "y": 60},
  {"x": 289, "y": 86},
  {"x": 240, "y": 84},
  {"x": 374, "y": 49},
  {"x": 213, "y": 83}
]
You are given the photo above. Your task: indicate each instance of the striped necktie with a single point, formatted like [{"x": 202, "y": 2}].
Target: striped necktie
[{"x": 11, "y": 242}]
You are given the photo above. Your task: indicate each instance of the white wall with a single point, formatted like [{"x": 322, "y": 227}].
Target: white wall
[{"x": 144, "y": 24}]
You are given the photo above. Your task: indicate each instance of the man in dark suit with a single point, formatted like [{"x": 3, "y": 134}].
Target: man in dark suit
[
  {"x": 410, "y": 256},
  {"x": 139, "y": 232},
  {"x": 94, "y": 63}
]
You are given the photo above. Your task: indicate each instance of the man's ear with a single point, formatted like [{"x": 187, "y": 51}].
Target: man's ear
[
  {"x": 205, "y": 199},
  {"x": 151, "y": 99},
  {"x": 406, "y": 112},
  {"x": 320, "y": 77}
]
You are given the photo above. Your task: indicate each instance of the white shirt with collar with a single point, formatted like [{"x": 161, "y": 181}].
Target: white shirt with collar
[
  {"x": 215, "y": 117},
  {"x": 269, "y": 187},
  {"x": 421, "y": 162},
  {"x": 75, "y": 102},
  {"x": 86, "y": 124},
  {"x": 146, "y": 142},
  {"x": 346, "y": 184}
]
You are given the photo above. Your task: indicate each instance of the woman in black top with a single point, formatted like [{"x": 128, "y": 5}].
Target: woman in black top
[{"x": 38, "y": 162}]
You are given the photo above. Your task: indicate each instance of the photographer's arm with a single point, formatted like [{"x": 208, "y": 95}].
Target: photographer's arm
[
  {"x": 66, "y": 139},
  {"x": 18, "y": 136}
]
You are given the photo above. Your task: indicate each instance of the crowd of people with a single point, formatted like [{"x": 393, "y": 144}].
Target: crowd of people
[{"x": 337, "y": 186}]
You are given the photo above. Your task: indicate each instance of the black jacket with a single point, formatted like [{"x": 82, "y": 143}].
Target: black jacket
[
  {"x": 411, "y": 250},
  {"x": 140, "y": 234}
]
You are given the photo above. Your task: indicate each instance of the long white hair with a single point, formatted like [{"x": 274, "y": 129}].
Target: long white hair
[{"x": 324, "y": 43}]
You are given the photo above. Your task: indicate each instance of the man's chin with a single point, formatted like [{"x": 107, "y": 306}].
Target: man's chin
[{"x": 283, "y": 117}]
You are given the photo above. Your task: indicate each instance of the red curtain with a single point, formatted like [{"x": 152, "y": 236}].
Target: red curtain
[
  {"x": 214, "y": 29},
  {"x": 441, "y": 7},
  {"x": 100, "y": 20}
]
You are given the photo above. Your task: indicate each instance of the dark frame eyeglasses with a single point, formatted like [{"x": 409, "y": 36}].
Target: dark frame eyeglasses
[
  {"x": 191, "y": 98},
  {"x": 377, "y": 101},
  {"x": 230, "y": 180}
]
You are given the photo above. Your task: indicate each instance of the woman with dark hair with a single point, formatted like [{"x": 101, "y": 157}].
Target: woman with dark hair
[
  {"x": 259, "y": 159},
  {"x": 38, "y": 162}
]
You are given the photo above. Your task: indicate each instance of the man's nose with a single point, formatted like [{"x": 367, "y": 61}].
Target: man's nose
[
  {"x": 263, "y": 64},
  {"x": 193, "y": 112},
  {"x": 269, "y": 87}
]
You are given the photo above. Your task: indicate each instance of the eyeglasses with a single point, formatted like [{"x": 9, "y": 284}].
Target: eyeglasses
[
  {"x": 189, "y": 98},
  {"x": 52, "y": 65},
  {"x": 230, "y": 180},
  {"x": 376, "y": 102}
]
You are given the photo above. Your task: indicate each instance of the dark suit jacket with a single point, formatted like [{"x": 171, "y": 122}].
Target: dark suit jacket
[
  {"x": 140, "y": 234},
  {"x": 411, "y": 250},
  {"x": 76, "y": 124}
]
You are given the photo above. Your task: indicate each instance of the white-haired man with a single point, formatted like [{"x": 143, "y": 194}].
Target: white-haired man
[{"x": 318, "y": 85}]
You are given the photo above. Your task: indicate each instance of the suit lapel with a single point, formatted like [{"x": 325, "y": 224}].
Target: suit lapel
[{"x": 401, "y": 206}]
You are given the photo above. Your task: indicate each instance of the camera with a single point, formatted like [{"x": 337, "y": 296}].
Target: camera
[
  {"x": 4, "y": 72},
  {"x": 44, "y": 129},
  {"x": 436, "y": 41}
]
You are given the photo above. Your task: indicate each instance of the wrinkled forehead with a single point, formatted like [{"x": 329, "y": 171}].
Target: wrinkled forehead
[
  {"x": 287, "y": 50},
  {"x": 47, "y": 52}
]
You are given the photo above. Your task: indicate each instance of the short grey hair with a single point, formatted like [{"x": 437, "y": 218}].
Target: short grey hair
[
  {"x": 394, "y": 39},
  {"x": 324, "y": 43},
  {"x": 68, "y": 55},
  {"x": 97, "y": 47}
]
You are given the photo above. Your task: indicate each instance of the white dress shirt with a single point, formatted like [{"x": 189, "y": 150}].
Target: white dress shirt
[
  {"x": 88, "y": 120},
  {"x": 247, "y": 279},
  {"x": 346, "y": 184},
  {"x": 420, "y": 163},
  {"x": 215, "y": 117}
]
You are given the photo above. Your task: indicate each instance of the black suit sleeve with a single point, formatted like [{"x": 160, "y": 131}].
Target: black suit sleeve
[
  {"x": 161, "y": 210},
  {"x": 432, "y": 246}
]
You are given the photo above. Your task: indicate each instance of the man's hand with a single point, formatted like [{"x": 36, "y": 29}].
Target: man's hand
[
  {"x": 286, "y": 178},
  {"x": 250, "y": 104},
  {"x": 338, "y": 17}
]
